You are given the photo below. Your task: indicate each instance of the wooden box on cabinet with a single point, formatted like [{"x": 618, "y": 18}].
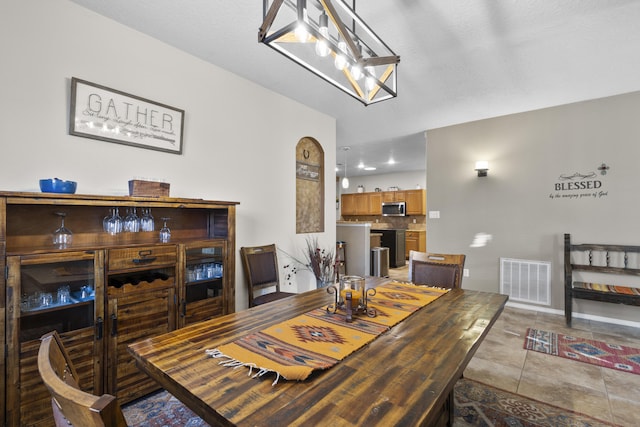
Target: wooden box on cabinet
[{"x": 134, "y": 281}]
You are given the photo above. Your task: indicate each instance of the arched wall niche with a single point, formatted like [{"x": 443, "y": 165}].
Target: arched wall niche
[{"x": 309, "y": 186}]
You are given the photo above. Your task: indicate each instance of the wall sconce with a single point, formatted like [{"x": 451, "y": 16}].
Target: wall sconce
[{"x": 482, "y": 166}]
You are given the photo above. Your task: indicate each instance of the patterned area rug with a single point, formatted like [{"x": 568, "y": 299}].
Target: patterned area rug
[
  {"x": 594, "y": 352},
  {"x": 160, "y": 409},
  {"x": 477, "y": 404}
]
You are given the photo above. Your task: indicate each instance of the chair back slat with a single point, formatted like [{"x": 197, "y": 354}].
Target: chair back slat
[
  {"x": 441, "y": 270},
  {"x": 260, "y": 265},
  {"x": 70, "y": 405}
]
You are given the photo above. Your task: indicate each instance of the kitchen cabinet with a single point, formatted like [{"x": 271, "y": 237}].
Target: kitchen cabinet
[
  {"x": 416, "y": 202},
  {"x": 371, "y": 203},
  {"x": 361, "y": 204},
  {"x": 375, "y": 203},
  {"x": 394, "y": 196},
  {"x": 348, "y": 204},
  {"x": 416, "y": 240},
  {"x": 103, "y": 292}
]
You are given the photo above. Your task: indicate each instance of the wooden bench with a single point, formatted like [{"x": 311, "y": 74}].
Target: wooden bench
[{"x": 612, "y": 292}]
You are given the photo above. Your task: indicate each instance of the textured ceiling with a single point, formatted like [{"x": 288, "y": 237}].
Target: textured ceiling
[{"x": 461, "y": 60}]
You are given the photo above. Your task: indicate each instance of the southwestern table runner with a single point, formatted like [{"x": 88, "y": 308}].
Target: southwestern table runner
[{"x": 318, "y": 339}]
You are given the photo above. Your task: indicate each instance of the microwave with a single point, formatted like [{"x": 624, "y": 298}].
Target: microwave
[{"x": 393, "y": 209}]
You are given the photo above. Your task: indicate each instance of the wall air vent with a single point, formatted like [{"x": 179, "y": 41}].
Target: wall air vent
[{"x": 526, "y": 281}]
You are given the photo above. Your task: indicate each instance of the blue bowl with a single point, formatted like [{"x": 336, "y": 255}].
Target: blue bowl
[{"x": 56, "y": 185}]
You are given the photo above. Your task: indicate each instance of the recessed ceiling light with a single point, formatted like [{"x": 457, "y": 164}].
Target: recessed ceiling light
[
  {"x": 391, "y": 161},
  {"x": 369, "y": 168},
  {"x": 360, "y": 165}
]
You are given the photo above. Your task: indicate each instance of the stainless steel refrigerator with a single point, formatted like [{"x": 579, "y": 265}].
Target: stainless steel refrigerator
[{"x": 395, "y": 241}]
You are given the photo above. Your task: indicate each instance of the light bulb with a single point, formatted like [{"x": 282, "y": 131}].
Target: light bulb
[
  {"x": 322, "y": 47},
  {"x": 345, "y": 182},
  {"x": 356, "y": 71},
  {"x": 370, "y": 82},
  {"x": 341, "y": 60},
  {"x": 301, "y": 33}
]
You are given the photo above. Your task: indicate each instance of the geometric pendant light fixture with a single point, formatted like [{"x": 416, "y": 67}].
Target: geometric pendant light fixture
[{"x": 329, "y": 39}]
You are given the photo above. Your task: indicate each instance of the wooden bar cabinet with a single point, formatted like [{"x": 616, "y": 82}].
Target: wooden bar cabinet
[{"x": 103, "y": 291}]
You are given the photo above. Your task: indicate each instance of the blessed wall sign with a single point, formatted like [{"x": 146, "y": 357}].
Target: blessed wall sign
[{"x": 579, "y": 185}]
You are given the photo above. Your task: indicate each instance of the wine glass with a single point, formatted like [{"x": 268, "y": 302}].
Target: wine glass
[
  {"x": 112, "y": 223},
  {"x": 62, "y": 237},
  {"x": 146, "y": 221},
  {"x": 131, "y": 221},
  {"x": 165, "y": 232},
  {"x": 118, "y": 221},
  {"x": 105, "y": 221}
]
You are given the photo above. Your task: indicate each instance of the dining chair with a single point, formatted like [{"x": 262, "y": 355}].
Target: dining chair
[
  {"x": 441, "y": 270},
  {"x": 71, "y": 405},
  {"x": 261, "y": 271}
]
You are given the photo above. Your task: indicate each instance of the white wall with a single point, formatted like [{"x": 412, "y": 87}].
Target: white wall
[
  {"x": 404, "y": 180},
  {"x": 517, "y": 202},
  {"x": 239, "y": 138}
]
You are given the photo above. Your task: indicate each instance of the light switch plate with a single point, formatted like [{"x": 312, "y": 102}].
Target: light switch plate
[
  {"x": 434, "y": 214},
  {"x": 465, "y": 272}
]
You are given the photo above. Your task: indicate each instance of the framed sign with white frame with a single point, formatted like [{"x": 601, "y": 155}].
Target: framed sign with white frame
[{"x": 107, "y": 114}]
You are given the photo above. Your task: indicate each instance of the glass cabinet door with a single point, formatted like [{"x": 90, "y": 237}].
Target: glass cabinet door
[
  {"x": 201, "y": 297},
  {"x": 51, "y": 292}
]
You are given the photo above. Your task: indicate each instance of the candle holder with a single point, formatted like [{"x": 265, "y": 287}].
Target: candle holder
[{"x": 351, "y": 297}]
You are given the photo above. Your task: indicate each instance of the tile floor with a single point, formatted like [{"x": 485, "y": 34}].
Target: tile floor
[{"x": 602, "y": 393}]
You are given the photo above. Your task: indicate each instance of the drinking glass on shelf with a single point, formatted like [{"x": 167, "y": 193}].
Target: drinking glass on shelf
[
  {"x": 105, "y": 221},
  {"x": 131, "y": 221},
  {"x": 118, "y": 221},
  {"x": 112, "y": 223},
  {"x": 62, "y": 237},
  {"x": 165, "y": 232},
  {"x": 64, "y": 295},
  {"x": 46, "y": 299},
  {"x": 146, "y": 221}
]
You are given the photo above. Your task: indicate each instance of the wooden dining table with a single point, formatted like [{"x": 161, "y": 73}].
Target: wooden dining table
[{"x": 405, "y": 377}]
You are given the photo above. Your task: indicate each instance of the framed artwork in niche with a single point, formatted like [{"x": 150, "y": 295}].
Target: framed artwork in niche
[
  {"x": 309, "y": 186},
  {"x": 99, "y": 112}
]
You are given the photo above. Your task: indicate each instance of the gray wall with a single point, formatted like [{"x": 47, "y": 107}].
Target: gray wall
[{"x": 519, "y": 203}]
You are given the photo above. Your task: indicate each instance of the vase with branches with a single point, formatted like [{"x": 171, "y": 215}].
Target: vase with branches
[{"x": 319, "y": 261}]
